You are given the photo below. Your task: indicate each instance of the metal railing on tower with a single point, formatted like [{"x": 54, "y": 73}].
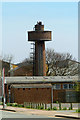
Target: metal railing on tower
[{"x": 32, "y": 56}]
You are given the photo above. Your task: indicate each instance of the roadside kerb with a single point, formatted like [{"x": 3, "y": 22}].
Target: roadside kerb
[
  {"x": 8, "y": 110},
  {"x": 67, "y": 116}
]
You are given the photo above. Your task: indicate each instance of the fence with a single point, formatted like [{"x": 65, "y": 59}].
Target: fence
[{"x": 52, "y": 105}]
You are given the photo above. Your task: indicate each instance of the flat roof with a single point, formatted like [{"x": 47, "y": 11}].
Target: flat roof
[
  {"x": 31, "y": 85},
  {"x": 45, "y": 79}
]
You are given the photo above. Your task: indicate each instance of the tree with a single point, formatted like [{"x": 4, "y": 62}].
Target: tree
[
  {"x": 77, "y": 86},
  {"x": 7, "y": 58},
  {"x": 25, "y": 62},
  {"x": 58, "y": 62},
  {"x": 6, "y": 63}
]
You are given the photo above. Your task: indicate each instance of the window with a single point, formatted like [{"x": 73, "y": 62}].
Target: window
[
  {"x": 56, "y": 86},
  {"x": 68, "y": 86},
  {"x": 65, "y": 86},
  {"x": 23, "y": 88},
  {"x": 71, "y": 86},
  {"x": 47, "y": 88}
]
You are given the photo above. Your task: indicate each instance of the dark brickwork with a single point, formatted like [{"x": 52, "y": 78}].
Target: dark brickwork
[
  {"x": 58, "y": 95},
  {"x": 23, "y": 71},
  {"x": 39, "y": 35},
  {"x": 40, "y": 68},
  {"x": 35, "y": 95},
  {"x": 21, "y": 94}
]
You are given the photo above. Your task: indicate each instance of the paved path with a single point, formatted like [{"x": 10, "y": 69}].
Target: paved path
[
  {"x": 42, "y": 113},
  {"x": 21, "y": 116},
  {"x": 9, "y": 114}
]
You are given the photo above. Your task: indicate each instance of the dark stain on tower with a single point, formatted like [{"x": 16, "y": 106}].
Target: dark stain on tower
[{"x": 39, "y": 36}]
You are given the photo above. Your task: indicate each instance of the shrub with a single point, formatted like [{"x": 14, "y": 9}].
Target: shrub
[
  {"x": 14, "y": 104},
  {"x": 64, "y": 108},
  {"x": 78, "y": 110},
  {"x": 70, "y": 108},
  {"x": 1, "y": 103},
  {"x": 49, "y": 109},
  {"x": 40, "y": 107},
  {"x": 57, "y": 102},
  {"x": 28, "y": 107},
  {"x": 19, "y": 105},
  {"x": 54, "y": 108},
  {"x": 9, "y": 104},
  {"x": 59, "y": 106}
]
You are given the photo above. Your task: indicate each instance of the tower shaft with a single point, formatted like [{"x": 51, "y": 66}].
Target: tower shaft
[{"x": 40, "y": 61}]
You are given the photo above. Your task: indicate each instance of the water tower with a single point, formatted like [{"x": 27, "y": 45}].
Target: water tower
[{"x": 39, "y": 36}]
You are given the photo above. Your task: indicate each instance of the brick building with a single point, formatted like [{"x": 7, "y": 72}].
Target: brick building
[
  {"x": 22, "y": 71},
  {"x": 6, "y": 66},
  {"x": 41, "y": 89}
]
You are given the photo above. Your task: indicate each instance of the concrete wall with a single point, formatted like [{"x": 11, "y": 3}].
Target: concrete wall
[{"x": 51, "y": 106}]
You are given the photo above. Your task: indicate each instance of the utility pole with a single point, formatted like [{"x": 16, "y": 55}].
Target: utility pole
[
  {"x": 3, "y": 87},
  {"x": 52, "y": 94}
]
